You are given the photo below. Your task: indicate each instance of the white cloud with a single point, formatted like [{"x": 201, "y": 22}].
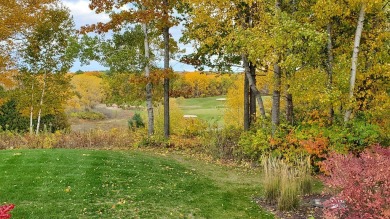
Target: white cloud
[{"x": 82, "y": 14}]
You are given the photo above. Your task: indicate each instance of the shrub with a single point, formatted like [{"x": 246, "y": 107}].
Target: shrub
[
  {"x": 88, "y": 115},
  {"x": 136, "y": 121},
  {"x": 363, "y": 183},
  {"x": 223, "y": 143},
  {"x": 4, "y": 211},
  {"x": 11, "y": 119}
]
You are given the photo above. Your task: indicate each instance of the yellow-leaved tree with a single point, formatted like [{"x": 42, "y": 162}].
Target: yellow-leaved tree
[{"x": 89, "y": 90}]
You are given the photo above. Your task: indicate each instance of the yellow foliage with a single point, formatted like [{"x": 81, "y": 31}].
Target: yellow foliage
[
  {"x": 179, "y": 125},
  {"x": 234, "y": 113},
  {"x": 89, "y": 90},
  {"x": 176, "y": 118}
]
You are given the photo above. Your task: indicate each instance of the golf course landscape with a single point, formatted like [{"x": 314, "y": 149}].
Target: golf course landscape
[{"x": 125, "y": 184}]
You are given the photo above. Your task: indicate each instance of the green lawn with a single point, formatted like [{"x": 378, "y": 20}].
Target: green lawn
[
  {"x": 207, "y": 108},
  {"x": 128, "y": 184}
]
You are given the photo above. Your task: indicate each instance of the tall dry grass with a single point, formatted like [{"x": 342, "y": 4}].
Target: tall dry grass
[
  {"x": 93, "y": 139},
  {"x": 285, "y": 182}
]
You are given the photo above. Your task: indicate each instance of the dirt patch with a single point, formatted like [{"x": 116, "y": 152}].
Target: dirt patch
[{"x": 305, "y": 210}]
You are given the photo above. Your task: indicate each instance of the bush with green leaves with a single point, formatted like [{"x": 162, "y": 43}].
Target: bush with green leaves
[
  {"x": 11, "y": 119},
  {"x": 136, "y": 121}
]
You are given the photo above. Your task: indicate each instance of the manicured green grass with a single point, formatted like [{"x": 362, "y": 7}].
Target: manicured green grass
[
  {"x": 208, "y": 108},
  {"x": 128, "y": 184}
]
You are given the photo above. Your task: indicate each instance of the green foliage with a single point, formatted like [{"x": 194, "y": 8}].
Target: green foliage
[
  {"x": 11, "y": 119},
  {"x": 353, "y": 137},
  {"x": 255, "y": 143},
  {"x": 88, "y": 115},
  {"x": 136, "y": 121},
  {"x": 55, "y": 122}
]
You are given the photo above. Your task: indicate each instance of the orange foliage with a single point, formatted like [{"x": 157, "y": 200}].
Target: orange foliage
[
  {"x": 198, "y": 84},
  {"x": 7, "y": 79},
  {"x": 317, "y": 147}
]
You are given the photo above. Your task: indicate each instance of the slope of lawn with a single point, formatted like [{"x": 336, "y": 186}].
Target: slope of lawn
[
  {"x": 129, "y": 184},
  {"x": 206, "y": 108}
]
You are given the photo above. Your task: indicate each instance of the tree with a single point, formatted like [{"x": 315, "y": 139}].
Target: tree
[
  {"x": 49, "y": 49},
  {"x": 219, "y": 29},
  {"x": 89, "y": 90},
  {"x": 124, "y": 53},
  {"x": 17, "y": 17},
  {"x": 146, "y": 13}
]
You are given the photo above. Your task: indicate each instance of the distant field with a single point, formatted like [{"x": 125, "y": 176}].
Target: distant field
[{"x": 207, "y": 108}]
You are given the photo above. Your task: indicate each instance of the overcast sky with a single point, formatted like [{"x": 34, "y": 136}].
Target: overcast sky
[{"x": 82, "y": 15}]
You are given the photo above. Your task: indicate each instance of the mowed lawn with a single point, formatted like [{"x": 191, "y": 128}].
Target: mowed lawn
[
  {"x": 124, "y": 184},
  {"x": 208, "y": 108}
]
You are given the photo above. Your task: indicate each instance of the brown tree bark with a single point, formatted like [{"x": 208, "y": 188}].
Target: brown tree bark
[{"x": 166, "y": 79}]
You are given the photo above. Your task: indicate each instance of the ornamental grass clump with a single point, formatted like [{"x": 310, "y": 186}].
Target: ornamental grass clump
[
  {"x": 289, "y": 188},
  {"x": 271, "y": 179},
  {"x": 285, "y": 182}
]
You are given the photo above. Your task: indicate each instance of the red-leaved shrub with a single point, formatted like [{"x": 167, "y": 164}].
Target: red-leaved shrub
[
  {"x": 363, "y": 183},
  {"x": 4, "y": 211}
]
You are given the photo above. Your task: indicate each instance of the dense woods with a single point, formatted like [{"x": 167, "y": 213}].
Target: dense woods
[{"x": 314, "y": 78}]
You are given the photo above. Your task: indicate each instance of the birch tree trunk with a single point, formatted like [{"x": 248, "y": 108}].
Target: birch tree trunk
[
  {"x": 149, "y": 103},
  {"x": 166, "y": 79},
  {"x": 41, "y": 104},
  {"x": 32, "y": 109},
  {"x": 358, "y": 35},
  {"x": 330, "y": 70}
]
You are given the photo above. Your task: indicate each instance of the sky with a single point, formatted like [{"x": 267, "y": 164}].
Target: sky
[{"x": 82, "y": 15}]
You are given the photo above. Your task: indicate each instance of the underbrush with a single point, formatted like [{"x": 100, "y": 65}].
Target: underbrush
[
  {"x": 93, "y": 139},
  {"x": 88, "y": 115}
]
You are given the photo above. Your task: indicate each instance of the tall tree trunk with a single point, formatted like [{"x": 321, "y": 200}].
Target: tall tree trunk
[
  {"x": 32, "y": 109},
  {"x": 253, "y": 87},
  {"x": 246, "y": 103},
  {"x": 166, "y": 68},
  {"x": 252, "y": 108},
  {"x": 41, "y": 103},
  {"x": 275, "y": 114},
  {"x": 275, "y": 120},
  {"x": 289, "y": 106},
  {"x": 330, "y": 70},
  {"x": 355, "y": 54},
  {"x": 149, "y": 103}
]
